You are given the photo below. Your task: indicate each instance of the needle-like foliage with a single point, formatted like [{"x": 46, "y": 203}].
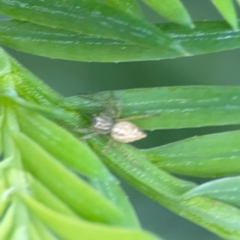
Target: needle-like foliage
[{"x": 54, "y": 186}]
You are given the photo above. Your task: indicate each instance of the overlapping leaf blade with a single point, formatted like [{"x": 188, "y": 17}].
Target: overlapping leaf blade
[
  {"x": 27, "y": 155},
  {"x": 132, "y": 166},
  {"x": 6, "y": 225},
  {"x": 71, "y": 188},
  {"x": 89, "y": 17},
  {"x": 212, "y": 36},
  {"x": 174, "y": 10},
  {"x": 71, "y": 228},
  {"x": 227, "y": 9},
  {"x": 172, "y": 107},
  {"x": 225, "y": 189},
  {"x": 205, "y": 156}
]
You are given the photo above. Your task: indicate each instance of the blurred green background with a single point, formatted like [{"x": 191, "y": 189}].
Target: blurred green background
[{"x": 72, "y": 78}]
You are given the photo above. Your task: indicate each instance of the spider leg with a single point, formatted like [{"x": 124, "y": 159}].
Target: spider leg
[
  {"x": 88, "y": 136},
  {"x": 105, "y": 149},
  {"x": 82, "y": 130},
  {"x": 113, "y": 107}
]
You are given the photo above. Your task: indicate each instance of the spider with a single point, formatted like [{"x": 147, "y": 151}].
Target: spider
[{"x": 120, "y": 130}]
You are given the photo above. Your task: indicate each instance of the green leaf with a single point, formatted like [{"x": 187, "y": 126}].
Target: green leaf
[
  {"x": 128, "y": 159},
  {"x": 37, "y": 227},
  {"x": 173, "y": 10},
  {"x": 38, "y": 92},
  {"x": 76, "y": 155},
  {"x": 46, "y": 197},
  {"x": 5, "y": 66},
  {"x": 205, "y": 156},
  {"x": 7, "y": 222},
  {"x": 70, "y": 228},
  {"x": 225, "y": 189},
  {"x": 20, "y": 221},
  {"x": 132, "y": 166},
  {"x": 3, "y": 206},
  {"x": 172, "y": 107},
  {"x": 72, "y": 190},
  {"x": 227, "y": 10},
  {"x": 62, "y": 44},
  {"x": 15, "y": 79},
  {"x": 71, "y": 151},
  {"x": 89, "y": 17},
  {"x": 3, "y": 195},
  {"x": 129, "y": 6}
]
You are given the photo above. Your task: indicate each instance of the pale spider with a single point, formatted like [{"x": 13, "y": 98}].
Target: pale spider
[{"x": 120, "y": 130}]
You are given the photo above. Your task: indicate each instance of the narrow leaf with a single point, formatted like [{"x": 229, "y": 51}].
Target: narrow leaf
[
  {"x": 208, "y": 36},
  {"x": 130, "y": 160},
  {"x": 6, "y": 223},
  {"x": 173, "y": 10},
  {"x": 132, "y": 166},
  {"x": 64, "y": 184},
  {"x": 26, "y": 84},
  {"x": 88, "y": 17},
  {"x": 129, "y": 6},
  {"x": 46, "y": 197},
  {"x": 205, "y": 156},
  {"x": 70, "y": 228},
  {"x": 78, "y": 156},
  {"x": 63, "y": 44},
  {"x": 173, "y": 107},
  {"x": 4, "y": 200},
  {"x": 37, "y": 225},
  {"x": 3, "y": 207},
  {"x": 225, "y": 189},
  {"x": 71, "y": 151},
  {"x": 227, "y": 10},
  {"x": 5, "y": 65},
  {"x": 33, "y": 233}
]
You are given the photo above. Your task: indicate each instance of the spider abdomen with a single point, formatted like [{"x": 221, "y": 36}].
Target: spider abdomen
[{"x": 126, "y": 132}]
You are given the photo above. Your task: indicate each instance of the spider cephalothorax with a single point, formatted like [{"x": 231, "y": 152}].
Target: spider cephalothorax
[{"x": 102, "y": 123}]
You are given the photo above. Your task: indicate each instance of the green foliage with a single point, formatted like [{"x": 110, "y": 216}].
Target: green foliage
[
  {"x": 54, "y": 186},
  {"x": 30, "y": 140},
  {"x": 227, "y": 9},
  {"x": 173, "y": 10}
]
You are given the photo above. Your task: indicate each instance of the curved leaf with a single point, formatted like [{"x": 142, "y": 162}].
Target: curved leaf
[
  {"x": 39, "y": 93},
  {"x": 46, "y": 197},
  {"x": 76, "y": 155},
  {"x": 89, "y": 17},
  {"x": 174, "y": 10},
  {"x": 71, "y": 151},
  {"x": 6, "y": 224},
  {"x": 5, "y": 66},
  {"x": 70, "y": 228},
  {"x": 227, "y": 9},
  {"x": 207, "y": 36},
  {"x": 37, "y": 227},
  {"x": 225, "y": 189},
  {"x": 73, "y": 191},
  {"x": 26, "y": 84},
  {"x": 205, "y": 156},
  {"x": 132, "y": 166},
  {"x": 170, "y": 107}
]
